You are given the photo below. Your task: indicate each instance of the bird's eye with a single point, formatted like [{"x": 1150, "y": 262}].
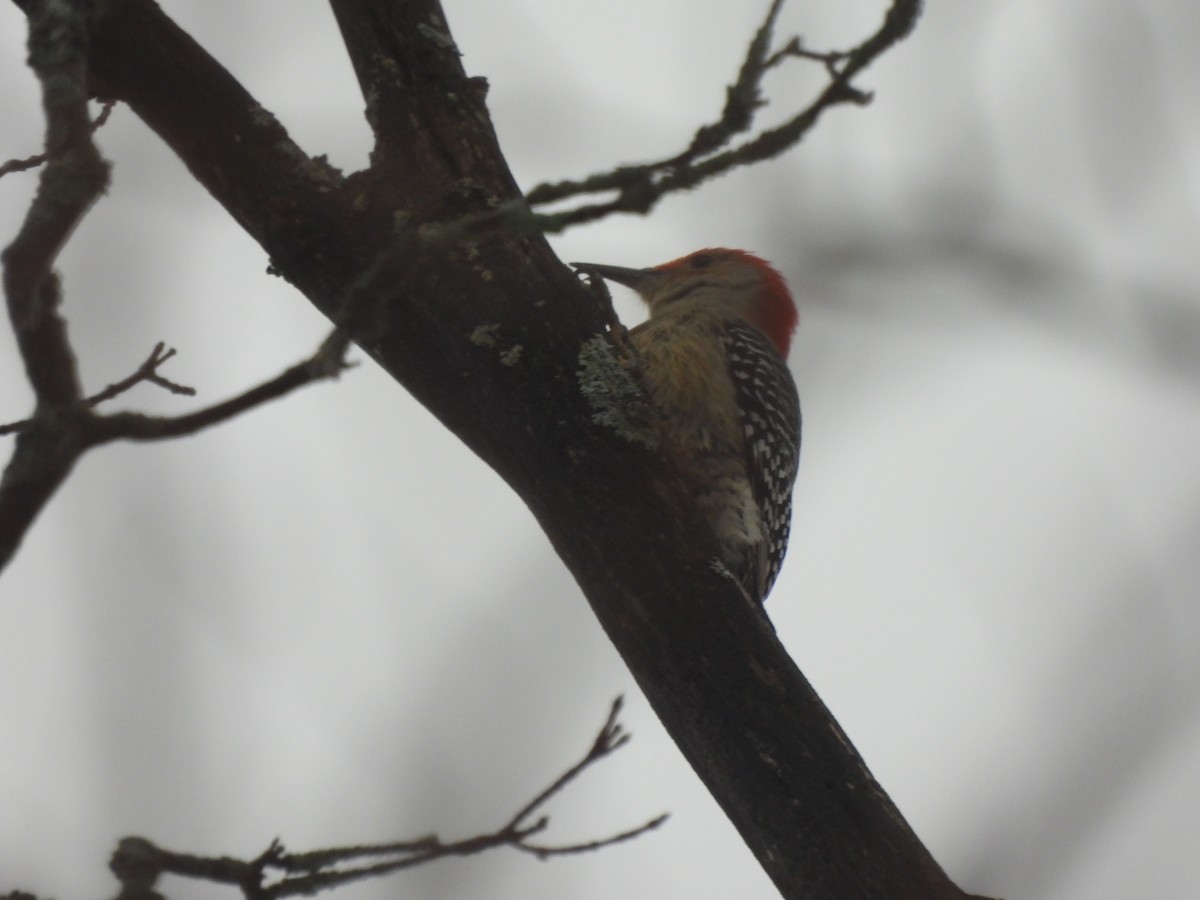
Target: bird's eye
[{"x": 702, "y": 260}]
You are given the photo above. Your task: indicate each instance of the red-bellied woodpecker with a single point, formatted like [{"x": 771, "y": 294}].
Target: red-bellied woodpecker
[{"x": 712, "y": 364}]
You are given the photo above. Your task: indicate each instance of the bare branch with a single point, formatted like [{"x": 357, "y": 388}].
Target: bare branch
[
  {"x": 328, "y": 362},
  {"x": 639, "y": 187},
  {"x": 69, "y": 185},
  {"x": 55, "y": 436},
  {"x": 795, "y": 47},
  {"x": 742, "y": 98},
  {"x": 610, "y": 739},
  {"x": 73, "y": 176},
  {"x": 138, "y": 863},
  {"x": 147, "y": 371},
  {"x": 70, "y": 182},
  {"x": 589, "y": 846}
]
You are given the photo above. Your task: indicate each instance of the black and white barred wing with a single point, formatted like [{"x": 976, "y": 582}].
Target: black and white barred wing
[{"x": 770, "y": 413}]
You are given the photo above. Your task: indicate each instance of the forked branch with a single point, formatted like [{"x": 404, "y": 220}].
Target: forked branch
[
  {"x": 64, "y": 424},
  {"x": 138, "y": 863},
  {"x": 713, "y": 149}
]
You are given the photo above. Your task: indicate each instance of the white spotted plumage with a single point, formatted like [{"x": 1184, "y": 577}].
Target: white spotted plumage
[{"x": 769, "y": 408}]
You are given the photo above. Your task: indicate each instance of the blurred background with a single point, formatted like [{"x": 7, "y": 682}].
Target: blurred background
[{"x": 328, "y": 622}]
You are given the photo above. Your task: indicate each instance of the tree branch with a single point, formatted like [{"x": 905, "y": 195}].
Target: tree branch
[
  {"x": 639, "y": 187},
  {"x": 138, "y": 863},
  {"x": 327, "y": 362},
  {"x": 68, "y": 186},
  {"x": 72, "y": 179},
  {"x": 147, "y": 371},
  {"x": 77, "y": 428},
  {"x": 620, "y": 515},
  {"x": 63, "y": 425}
]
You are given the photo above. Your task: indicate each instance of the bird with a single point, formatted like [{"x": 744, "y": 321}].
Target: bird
[{"x": 712, "y": 363}]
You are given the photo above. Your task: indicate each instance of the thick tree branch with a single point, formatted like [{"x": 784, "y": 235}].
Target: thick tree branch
[
  {"x": 395, "y": 64},
  {"x": 138, "y": 863}
]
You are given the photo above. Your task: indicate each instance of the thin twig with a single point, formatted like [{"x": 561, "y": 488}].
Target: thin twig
[
  {"x": 611, "y": 738},
  {"x": 147, "y": 371},
  {"x": 742, "y": 98},
  {"x": 328, "y": 362},
  {"x": 795, "y": 47},
  {"x": 589, "y": 846},
  {"x": 32, "y": 162}
]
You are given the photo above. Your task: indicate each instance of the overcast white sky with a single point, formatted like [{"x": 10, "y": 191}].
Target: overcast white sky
[{"x": 329, "y": 622}]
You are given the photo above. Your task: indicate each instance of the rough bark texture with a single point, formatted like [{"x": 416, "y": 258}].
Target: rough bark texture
[{"x": 486, "y": 327}]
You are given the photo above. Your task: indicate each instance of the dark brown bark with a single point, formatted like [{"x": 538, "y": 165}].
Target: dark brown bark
[{"x": 485, "y": 327}]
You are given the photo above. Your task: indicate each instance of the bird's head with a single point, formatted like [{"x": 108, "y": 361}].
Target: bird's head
[{"x": 725, "y": 280}]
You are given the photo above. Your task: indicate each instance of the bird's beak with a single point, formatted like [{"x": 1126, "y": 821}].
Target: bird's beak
[{"x": 638, "y": 279}]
